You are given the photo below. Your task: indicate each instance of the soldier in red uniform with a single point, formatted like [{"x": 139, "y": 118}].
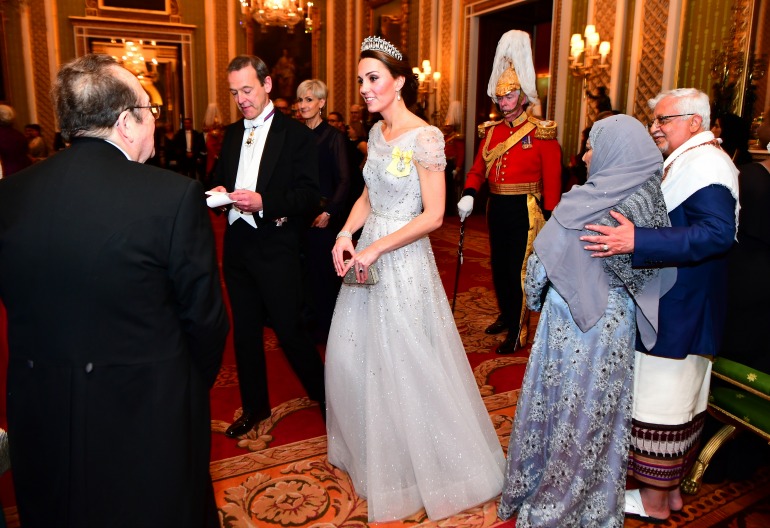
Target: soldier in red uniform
[{"x": 521, "y": 159}]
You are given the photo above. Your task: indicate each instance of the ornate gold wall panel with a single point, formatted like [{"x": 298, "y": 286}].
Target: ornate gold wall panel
[
  {"x": 336, "y": 79},
  {"x": 604, "y": 19},
  {"x": 445, "y": 59},
  {"x": 474, "y": 7},
  {"x": 171, "y": 15},
  {"x": 763, "y": 43},
  {"x": 221, "y": 59},
  {"x": 651, "y": 57},
  {"x": 426, "y": 22},
  {"x": 626, "y": 56},
  {"x": 570, "y": 128},
  {"x": 38, "y": 32}
]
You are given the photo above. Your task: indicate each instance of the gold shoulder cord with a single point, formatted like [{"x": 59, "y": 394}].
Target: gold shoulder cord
[{"x": 502, "y": 148}]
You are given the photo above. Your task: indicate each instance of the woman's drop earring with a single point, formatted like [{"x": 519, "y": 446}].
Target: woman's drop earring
[{"x": 398, "y": 94}]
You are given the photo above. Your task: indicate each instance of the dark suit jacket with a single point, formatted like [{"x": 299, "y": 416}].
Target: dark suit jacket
[
  {"x": 288, "y": 171},
  {"x": 692, "y": 313},
  {"x": 14, "y": 150},
  {"x": 116, "y": 329},
  {"x": 196, "y": 163},
  {"x": 748, "y": 284}
]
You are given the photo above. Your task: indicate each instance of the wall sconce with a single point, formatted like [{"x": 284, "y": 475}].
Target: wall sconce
[
  {"x": 594, "y": 57},
  {"x": 428, "y": 80}
]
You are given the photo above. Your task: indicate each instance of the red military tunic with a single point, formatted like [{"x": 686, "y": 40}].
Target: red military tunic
[
  {"x": 530, "y": 160},
  {"x": 524, "y": 171}
]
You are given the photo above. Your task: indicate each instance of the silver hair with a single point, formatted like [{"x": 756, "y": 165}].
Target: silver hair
[
  {"x": 316, "y": 86},
  {"x": 688, "y": 101}
]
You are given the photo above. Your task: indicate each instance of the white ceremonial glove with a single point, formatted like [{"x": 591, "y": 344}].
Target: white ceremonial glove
[{"x": 465, "y": 207}]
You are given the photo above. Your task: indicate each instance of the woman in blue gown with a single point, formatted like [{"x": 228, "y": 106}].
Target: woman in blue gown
[{"x": 568, "y": 448}]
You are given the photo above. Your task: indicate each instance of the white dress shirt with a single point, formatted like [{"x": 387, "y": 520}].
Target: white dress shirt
[{"x": 252, "y": 146}]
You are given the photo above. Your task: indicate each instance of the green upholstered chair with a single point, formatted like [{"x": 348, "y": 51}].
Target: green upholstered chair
[{"x": 742, "y": 402}]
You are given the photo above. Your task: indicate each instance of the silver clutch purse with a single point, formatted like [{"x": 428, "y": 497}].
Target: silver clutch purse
[{"x": 371, "y": 277}]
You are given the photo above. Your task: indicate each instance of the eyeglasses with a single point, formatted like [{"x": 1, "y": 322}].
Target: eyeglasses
[
  {"x": 664, "y": 120},
  {"x": 154, "y": 109}
]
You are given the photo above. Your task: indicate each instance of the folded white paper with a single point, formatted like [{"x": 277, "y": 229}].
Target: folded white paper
[{"x": 218, "y": 199}]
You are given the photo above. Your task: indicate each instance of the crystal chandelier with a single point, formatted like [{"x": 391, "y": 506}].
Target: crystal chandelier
[
  {"x": 134, "y": 58},
  {"x": 283, "y": 13}
]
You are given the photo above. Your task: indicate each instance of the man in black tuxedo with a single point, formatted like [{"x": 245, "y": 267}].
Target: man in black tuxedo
[
  {"x": 269, "y": 165},
  {"x": 190, "y": 151},
  {"x": 116, "y": 323}
]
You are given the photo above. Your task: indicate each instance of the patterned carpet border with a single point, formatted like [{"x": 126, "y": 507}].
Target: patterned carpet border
[{"x": 294, "y": 485}]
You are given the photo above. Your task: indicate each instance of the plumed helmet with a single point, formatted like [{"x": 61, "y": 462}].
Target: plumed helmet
[
  {"x": 513, "y": 68},
  {"x": 508, "y": 82}
]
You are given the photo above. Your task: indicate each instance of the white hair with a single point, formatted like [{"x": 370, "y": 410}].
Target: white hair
[
  {"x": 688, "y": 101},
  {"x": 7, "y": 115}
]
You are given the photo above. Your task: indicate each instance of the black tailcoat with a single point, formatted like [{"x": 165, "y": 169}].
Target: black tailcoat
[{"x": 116, "y": 329}]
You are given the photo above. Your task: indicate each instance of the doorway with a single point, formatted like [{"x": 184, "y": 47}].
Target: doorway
[{"x": 533, "y": 17}]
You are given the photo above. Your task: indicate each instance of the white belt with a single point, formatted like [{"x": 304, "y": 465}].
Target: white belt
[{"x": 393, "y": 216}]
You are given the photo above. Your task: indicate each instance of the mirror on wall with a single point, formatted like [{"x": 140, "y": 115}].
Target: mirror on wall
[
  {"x": 736, "y": 70},
  {"x": 158, "y": 73},
  {"x": 289, "y": 56}
]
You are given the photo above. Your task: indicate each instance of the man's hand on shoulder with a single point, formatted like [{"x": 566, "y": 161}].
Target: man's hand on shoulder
[{"x": 611, "y": 240}]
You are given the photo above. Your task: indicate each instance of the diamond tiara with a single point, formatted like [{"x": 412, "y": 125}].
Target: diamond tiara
[{"x": 380, "y": 44}]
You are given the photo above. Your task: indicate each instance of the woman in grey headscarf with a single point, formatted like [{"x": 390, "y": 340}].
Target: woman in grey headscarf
[{"x": 568, "y": 450}]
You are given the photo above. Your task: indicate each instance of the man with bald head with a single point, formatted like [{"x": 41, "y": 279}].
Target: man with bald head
[{"x": 116, "y": 324}]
